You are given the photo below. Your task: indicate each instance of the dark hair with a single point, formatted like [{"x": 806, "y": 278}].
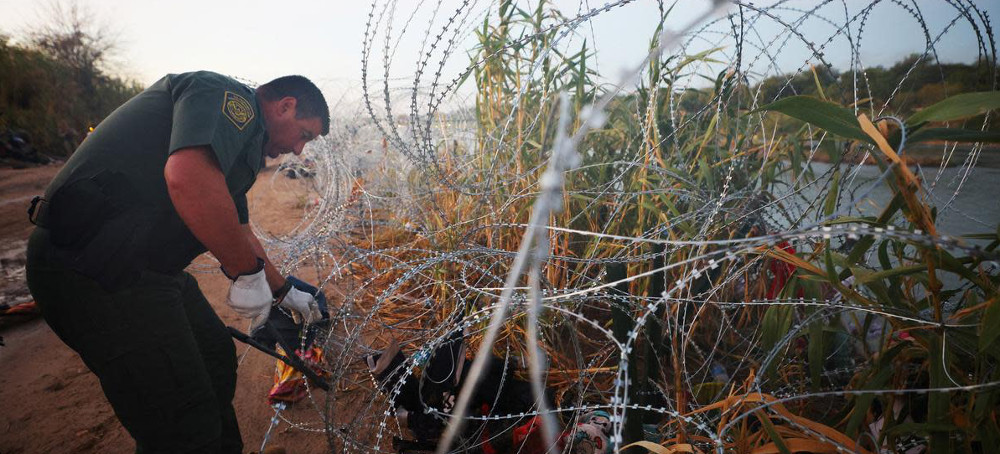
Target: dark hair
[{"x": 309, "y": 100}]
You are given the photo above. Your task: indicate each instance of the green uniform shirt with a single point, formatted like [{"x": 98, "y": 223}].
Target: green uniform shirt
[{"x": 134, "y": 142}]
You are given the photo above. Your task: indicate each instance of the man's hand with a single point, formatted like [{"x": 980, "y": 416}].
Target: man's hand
[
  {"x": 250, "y": 296},
  {"x": 302, "y": 305}
]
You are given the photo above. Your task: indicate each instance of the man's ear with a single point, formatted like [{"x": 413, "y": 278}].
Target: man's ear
[{"x": 287, "y": 104}]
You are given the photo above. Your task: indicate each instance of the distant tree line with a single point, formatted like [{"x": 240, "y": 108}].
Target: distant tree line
[
  {"x": 910, "y": 83},
  {"x": 55, "y": 86}
]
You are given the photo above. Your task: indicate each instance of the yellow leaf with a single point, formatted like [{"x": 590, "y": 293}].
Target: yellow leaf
[
  {"x": 794, "y": 260},
  {"x": 814, "y": 426},
  {"x": 819, "y": 428},
  {"x": 920, "y": 212}
]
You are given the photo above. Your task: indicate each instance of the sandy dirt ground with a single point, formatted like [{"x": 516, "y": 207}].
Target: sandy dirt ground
[{"x": 51, "y": 403}]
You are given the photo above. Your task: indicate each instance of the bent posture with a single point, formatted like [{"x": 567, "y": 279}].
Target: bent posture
[{"x": 161, "y": 180}]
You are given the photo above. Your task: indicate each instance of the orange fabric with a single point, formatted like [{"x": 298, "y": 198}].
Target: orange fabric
[
  {"x": 21, "y": 309},
  {"x": 289, "y": 384}
]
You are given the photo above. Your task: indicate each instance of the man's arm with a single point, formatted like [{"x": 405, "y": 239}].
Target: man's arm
[
  {"x": 274, "y": 278},
  {"x": 198, "y": 191}
]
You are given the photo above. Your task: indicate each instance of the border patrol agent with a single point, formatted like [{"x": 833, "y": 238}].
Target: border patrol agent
[{"x": 159, "y": 181}]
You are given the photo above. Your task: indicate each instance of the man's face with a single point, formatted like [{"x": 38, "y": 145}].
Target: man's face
[{"x": 287, "y": 134}]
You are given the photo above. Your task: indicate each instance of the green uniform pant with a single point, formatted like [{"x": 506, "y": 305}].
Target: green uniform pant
[{"x": 164, "y": 358}]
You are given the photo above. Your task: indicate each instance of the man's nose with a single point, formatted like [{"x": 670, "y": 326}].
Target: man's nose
[{"x": 299, "y": 147}]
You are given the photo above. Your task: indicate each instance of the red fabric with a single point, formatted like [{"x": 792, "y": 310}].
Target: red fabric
[
  {"x": 485, "y": 438},
  {"x": 528, "y": 437},
  {"x": 780, "y": 272}
]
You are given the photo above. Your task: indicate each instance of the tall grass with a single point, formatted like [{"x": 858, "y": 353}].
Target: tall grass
[{"x": 769, "y": 349}]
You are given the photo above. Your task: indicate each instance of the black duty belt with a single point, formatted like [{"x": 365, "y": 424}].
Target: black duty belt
[{"x": 38, "y": 212}]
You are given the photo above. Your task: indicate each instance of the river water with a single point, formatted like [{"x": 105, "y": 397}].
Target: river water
[{"x": 968, "y": 200}]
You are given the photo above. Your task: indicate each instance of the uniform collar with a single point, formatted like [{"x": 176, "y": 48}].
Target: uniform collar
[{"x": 263, "y": 127}]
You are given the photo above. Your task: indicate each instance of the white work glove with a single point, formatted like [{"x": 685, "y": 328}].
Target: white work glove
[
  {"x": 250, "y": 296},
  {"x": 302, "y": 305}
]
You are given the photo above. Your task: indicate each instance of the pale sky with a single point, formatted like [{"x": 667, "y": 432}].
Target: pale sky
[{"x": 259, "y": 40}]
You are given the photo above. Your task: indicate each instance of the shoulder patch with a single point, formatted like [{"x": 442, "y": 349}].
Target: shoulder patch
[{"x": 237, "y": 109}]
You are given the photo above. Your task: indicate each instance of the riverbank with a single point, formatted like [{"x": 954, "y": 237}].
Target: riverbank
[{"x": 930, "y": 155}]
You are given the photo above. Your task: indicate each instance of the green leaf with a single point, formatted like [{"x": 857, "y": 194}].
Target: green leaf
[
  {"x": 826, "y": 115},
  {"x": 700, "y": 57},
  {"x": 989, "y": 327},
  {"x": 864, "y": 401},
  {"x": 777, "y": 321},
  {"x": 955, "y": 265},
  {"x": 831, "y": 197},
  {"x": 831, "y": 269},
  {"x": 866, "y": 242},
  {"x": 772, "y": 433},
  {"x": 894, "y": 289},
  {"x": 852, "y": 220},
  {"x": 816, "y": 354},
  {"x": 954, "y": 135},
  {"x": 819, "y": 86},
  {"x": 957, "y": 107},
  {"x": 868, "y": 278},
  {"x": 938, "y": 403},
  {"x": 989, "y": 434},
  {"x": 918, "y": 428},
  {"x": 985, "y": 404},
  {"x": 710, "y": 131},
  {"x": 706, "y": 393},
  {"x": 981, "y": 236}
]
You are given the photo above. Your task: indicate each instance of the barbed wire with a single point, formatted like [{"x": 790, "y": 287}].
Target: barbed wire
[{"x": 649, "y": 246}]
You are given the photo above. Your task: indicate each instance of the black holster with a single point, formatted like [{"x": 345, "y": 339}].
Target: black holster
[{"x": 97, "y": 227}]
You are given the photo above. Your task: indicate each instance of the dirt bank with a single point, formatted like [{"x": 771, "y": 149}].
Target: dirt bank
[{"x": 52, "y": 404}]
